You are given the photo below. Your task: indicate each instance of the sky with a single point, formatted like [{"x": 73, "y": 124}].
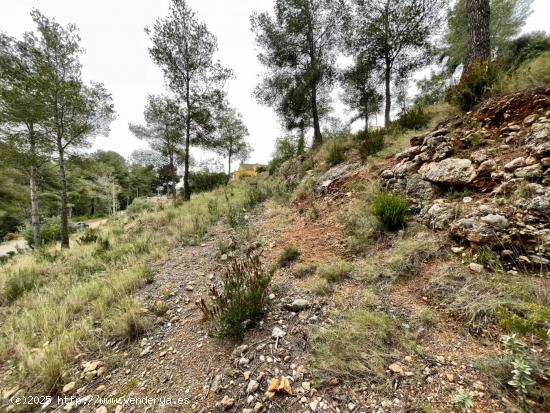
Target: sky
[{"x": 116, "y": 54}]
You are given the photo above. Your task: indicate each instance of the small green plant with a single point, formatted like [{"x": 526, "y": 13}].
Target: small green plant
[
  {"x": 335, "y": 271},
  {"x": 464, "y": 399},
  {"x": 320, "y": 286},
  {"x": 89, "y": 236},
  {"x": 391, "y": 209},
  {"x": 335, "y": 152},
  {"x": 148, "y": 275},
  {"x": 372, "y": 142},
  {"x": 242, "y": 298},
  {"x": 160, "y": 307},
  {"x": 522, "y": 381},
  {"x": 235, "y": 216},
  {"x": 289, "y": 254},
  {"x": 489, "y": 259},
  {"x": 514, "y": 347},
  {"x": 302, "y": 270},
  {"x": 473, "y": 85},
  {"x": 21, "y": 281},
  {"x": 414, "y": 118}
]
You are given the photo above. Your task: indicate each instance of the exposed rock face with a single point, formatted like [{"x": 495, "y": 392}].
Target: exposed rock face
[
  {"x": 450, "y": 171},
  {"x": 510, "y": 174},
  {"x": 335, "y": 173}
]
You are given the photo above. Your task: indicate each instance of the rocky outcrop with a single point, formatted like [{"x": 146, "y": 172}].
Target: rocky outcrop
[{"x": 500, "y": 162}]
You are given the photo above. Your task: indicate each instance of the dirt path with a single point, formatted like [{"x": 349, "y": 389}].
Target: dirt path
[
  {"x": 178, "y": 363},
  {"x": 12, "y": 246}
]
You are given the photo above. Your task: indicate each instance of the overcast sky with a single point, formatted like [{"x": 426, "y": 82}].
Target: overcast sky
[{"x": 116, "y": 54}]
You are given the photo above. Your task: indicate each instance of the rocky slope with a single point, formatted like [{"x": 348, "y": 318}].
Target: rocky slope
[{"x": 485, "y": 177}]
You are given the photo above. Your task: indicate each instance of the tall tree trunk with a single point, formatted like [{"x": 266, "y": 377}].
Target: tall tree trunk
[
  {"x": 229, "y": 165},
  {"x": 35, "y": 210},
  {"x": 366, "y": 114},
  {"x": 317, "y": 137},
  {"x": 35, "y": 215},
  {"x": 479, "y": 39},
  {"x": 174, "y": 177},
  {"x": 64, "y": 198},
  {"x": 387, "y": 81}
]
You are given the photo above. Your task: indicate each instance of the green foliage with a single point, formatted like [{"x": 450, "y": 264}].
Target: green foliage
[
  {"x": 335, "y": 271},
  {"x": 530, "y": 74},
  {"x": 488, "y": 258},
  {"x": 391, "y": 209},
  {"x": 360, "y": 225},
  {"x": 473, "y": 86},
  {"x": 507, "y": 18},
  {"x": 289, "y": 254},
  {"x": 302, "y": 270},
  {"x": 89, "y": 236},
  {"x": 464, "y": 399},
  {"x": 526, "y": 48},
  {"x": 20, "y": 282},
  {"x": 371, "y": 142},
  {"x": 242, "y": 298},
  {"x": 51, "y": 232},
  {"x": 522, "y": 381},
  {"x": 414, "y": 118},
  {"x": 139, "y": 205},
  {"x": 320, "y": 286},
  {"x": 207, "y": 181}
]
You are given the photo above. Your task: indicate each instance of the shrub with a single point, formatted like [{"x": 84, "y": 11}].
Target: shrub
[
  {"x": 320, "y": 286},
  {"x": 20, "y": 281},
  {"x": 50, "y": 231},
  {"x": 206, "y": 181},
  {"x": 334, "y": 151},
  {"x": 89, "y": 236},
  {"x": 242, "y": 298},
  {"x": 473, "y": 86},
  {"x": 464, "y": 399},
  {"x": 361, "y": 227},
  {"x": 391, "y": 209},
  {"x": 139, "y": 205},
  {"x": 530, "y": 74},
  {"x": 415, "y": 118},
  {"x": 288, "y": 255},
  {"x": 302, "y": 270},
  {"x": 129, "y": 321},
  {"x": 372, "y": 143},
  {"x": 335, "y": 271}
]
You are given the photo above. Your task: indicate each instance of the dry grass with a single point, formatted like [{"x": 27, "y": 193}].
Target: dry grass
[
  {"x": 57, "y": 304},
  {"x": 358, "y": 347}
]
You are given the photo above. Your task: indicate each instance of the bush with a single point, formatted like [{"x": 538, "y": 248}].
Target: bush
[
  {"x": 242, "y": 299},
  {"x": 473, "y": 86},
  {"x": 206, "y": 181},
  {"x": 415, "y": 118},
  {"x": 371, "y": 142},
  {"x": 335, "y": 152},
  {"x": 304, "y": 269},
  {"x": 320, "y": 286},
  {"x": 335, "y": 271},
  {"x": 139, "y": 205},
  {"x": 391, "y": 209},
  {"x": 530, "y": 74},
  {"x": 50, "y": 231},
  {"x": 89, "y": 236},
  {"x": 289, "y": 254},
  {"x": 19, "y": 282}
]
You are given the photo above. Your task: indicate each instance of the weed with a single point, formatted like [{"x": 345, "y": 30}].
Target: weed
[
  {"x": 242, "y": 298},
  {"x": 464, "y": 399},
  {"x": 320, "y": 286},
  {"x": 428, "y": 317},
  {"x": 303, "y": 270},
  {"x": 160, "y": 307},
  {"x": 488, "y": 258},
  {"x": 361, "y": 344},
  {"x": 335, "y": 271},
  {"x": 409, "y": 255},
  {"x": 20, "y": 282},
  {"x": 89, "y": 236},
  {"x": 372, "y": 142},
  {"x": 289, "y": 254},
  {"x": 391, "y": 209},
  {"x": 128, "y": 322},
  {"x": 361, "y": 227},
  {"x": 148, "y": 275}
]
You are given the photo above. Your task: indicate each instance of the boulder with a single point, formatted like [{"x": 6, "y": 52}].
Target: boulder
[
  {"x": 335, "y": 173},
  {"x": 529, "y": 172},
  {"x": 515, "y": 164},
  {"x": 450, "y": 171}
]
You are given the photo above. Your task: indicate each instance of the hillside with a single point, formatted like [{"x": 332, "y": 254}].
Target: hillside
[{"x": 359, "y": 318}]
